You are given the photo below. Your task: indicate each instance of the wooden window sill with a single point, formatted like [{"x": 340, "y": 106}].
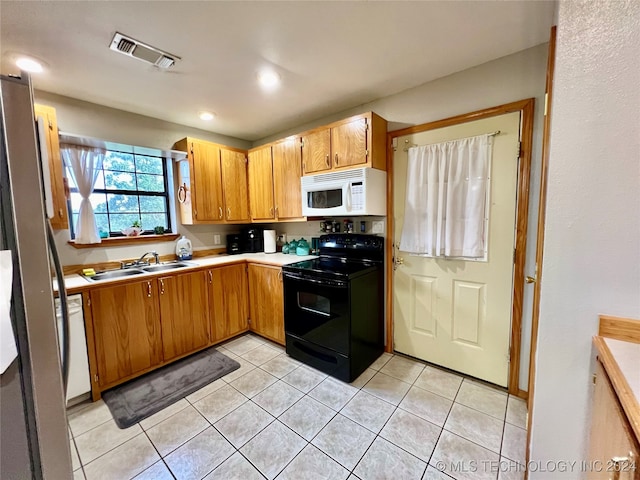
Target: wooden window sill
[{"x": 117, "y": 241}]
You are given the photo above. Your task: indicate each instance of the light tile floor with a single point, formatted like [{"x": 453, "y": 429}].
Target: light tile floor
[{"x": 276, "y": 418}]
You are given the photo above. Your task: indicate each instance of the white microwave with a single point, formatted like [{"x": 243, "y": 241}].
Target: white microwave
[{"x": 360, "y": 191}]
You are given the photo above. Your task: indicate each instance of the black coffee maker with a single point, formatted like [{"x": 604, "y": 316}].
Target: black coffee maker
[
  {"x": 234, "y": 244},
  {"x": 252, "y": 239}
]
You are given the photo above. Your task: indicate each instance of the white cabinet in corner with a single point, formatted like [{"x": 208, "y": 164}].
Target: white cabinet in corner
[{"x": 79, "y": 379}]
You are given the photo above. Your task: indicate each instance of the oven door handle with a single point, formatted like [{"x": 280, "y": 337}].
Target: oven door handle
[{"x": 327, "y": 283}]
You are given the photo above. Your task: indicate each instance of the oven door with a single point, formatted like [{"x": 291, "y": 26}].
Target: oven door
[{"x": 317, "y": 310}]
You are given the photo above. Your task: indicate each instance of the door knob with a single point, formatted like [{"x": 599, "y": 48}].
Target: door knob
[
  {"x": 397, "y": 261},
  {"x": 530, "y": 279}
]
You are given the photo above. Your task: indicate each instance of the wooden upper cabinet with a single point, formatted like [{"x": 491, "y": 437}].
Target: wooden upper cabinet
[
  {"x": 316, "y": 151},
  {"x": 266, "y": 301},
  {"x": 229, "y": 295},
  {"x": 349, "y": 143},
  {"x": 51, "y": 143},
  {"x": 212, "y": 183},
  {"x": 287, "y": 170},
  {"x": 261, "y": 184},
  {"x": 235, "y": 185},
  {"x": 184, "y": 313},
  {"x": 358, "y": 141},
  {"x": 126, "y": 325},
  {"x": 206, "y": 185}
]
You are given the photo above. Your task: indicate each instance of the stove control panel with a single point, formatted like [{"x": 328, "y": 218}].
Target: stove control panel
[{"x": 352, "y": 245}]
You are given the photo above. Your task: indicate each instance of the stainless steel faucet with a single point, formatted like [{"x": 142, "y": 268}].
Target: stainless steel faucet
[{"x": 141, "y": 261}]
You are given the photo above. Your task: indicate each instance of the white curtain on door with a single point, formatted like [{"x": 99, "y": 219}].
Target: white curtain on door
[
  {"x": 85, "y": 164},
  {"x": 444, "y": 213}
]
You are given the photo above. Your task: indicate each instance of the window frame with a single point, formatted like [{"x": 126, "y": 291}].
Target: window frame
[{"x": 138, "y": 193}]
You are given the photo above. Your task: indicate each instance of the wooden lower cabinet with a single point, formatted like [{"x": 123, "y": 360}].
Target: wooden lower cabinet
[
  {"x": 228, "y": 293},
  {"x": 126, "y": 326},
  {"x": 184, "y": 313},
  {"x": 612, "y": 438},
  {"x": 266, "y": 301}
]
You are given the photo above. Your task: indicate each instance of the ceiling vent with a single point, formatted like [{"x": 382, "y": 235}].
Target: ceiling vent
[{"x": 133, "y": 48}]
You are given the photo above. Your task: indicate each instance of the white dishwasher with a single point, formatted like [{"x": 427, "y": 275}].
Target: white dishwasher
[{"x": 79, "y": 381}]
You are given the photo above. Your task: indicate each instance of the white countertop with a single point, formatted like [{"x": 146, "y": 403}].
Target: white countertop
[
  {"x": 75, "y": 283},
  {"x": 627, "y": 356}
]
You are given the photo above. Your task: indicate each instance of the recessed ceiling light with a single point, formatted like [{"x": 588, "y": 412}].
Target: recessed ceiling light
[
  {"x": 207, "y": 116},
  {"x": 268, "y": 79},
  {"x": 29, "y": 64}
]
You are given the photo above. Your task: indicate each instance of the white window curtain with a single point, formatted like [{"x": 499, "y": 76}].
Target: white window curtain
[
  {"x": 444, "y": 213},
  {"x": 84, "y": 164}
]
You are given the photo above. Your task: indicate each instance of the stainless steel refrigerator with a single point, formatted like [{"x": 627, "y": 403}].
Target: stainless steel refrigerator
[{"x": 33, "y": 424}]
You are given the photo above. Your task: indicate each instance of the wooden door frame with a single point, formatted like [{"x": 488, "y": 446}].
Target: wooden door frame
[
  {"x": 542, "y": 207},
  {"x": 526, "y": 108}
]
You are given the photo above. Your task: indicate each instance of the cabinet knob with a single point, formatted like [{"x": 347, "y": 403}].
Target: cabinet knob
[
  {"x": 530, "y": 279},
  {"x": 228, "y": 213},
  {"x": 220, "y": 212}
]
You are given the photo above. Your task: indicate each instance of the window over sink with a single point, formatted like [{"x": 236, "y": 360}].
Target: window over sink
[{"x": 130, "y": 188}]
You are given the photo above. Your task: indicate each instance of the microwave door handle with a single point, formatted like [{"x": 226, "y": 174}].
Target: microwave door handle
[{"x": 348, "y": 202}]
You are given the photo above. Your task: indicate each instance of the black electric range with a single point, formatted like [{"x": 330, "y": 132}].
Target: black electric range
[{"x": 334, "y": 305}]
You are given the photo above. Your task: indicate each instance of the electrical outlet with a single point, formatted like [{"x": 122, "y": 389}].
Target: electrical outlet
[
  {"x": 377, "y": 227},
  {"x": 216, "y": 239}
]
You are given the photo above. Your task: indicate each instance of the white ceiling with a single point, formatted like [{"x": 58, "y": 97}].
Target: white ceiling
[{"x": 331, "y": 55}]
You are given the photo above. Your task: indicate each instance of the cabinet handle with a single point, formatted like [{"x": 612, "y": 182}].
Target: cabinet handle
[
  {"x": 271, "y": 212},
  {"x": 326, "y": 159},
  {"x": 149, "y": 289},
  {"x": 620, "y": 464},
  {"x": 210, "y": 277},
  {"x": 60, "y": 213},
  {"x": 280, "y": 276},
  {"x": 220, "y": 210},
  {"x": 336, "y": 159},
  {"x": 161, "y": 287},
  {"x": 276, "y": 211},
  {"x": 228, "y": 213}
]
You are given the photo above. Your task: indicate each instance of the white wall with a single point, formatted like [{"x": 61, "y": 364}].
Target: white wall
[
  {"x": 592, "y": 236},
  {"x": 515, "y": 77}
]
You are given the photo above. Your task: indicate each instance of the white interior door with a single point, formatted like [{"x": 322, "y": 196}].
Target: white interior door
[{"x": 457, "y": 313}]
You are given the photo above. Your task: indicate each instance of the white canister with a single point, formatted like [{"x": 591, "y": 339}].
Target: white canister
[{"x": 269, "y": 241}]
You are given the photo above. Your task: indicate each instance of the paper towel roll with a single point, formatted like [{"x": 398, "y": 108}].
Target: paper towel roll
[{"x": 269, "y": 241}]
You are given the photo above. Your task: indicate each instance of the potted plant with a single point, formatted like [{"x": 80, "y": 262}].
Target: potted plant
[{"x": 134, "y": 230}]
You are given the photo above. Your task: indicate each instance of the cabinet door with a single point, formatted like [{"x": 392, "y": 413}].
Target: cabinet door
[
  {"x": 235, "y": 185},
  {"x": 349, "y": 143},
  {"x": 611, "y": 433},
  {"x": 230, "y": 301},
  {"x": 261, "y": 184},
  {"x": 266, "y": 301},
  {"x": 316, "y": 151},
  {"x": 206, "y": 185},
  {"x": 184, "y": 313},
  {"x": 126, "y": 325},
  {"x": 287, "y": 170},
  {"x": 60, "y": 220}
]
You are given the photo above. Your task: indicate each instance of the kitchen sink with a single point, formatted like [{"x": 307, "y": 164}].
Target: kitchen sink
[
  {"x": 114, "y": 274},
  {"x": 129, "y": 272},
  {"x": 166, "y": 266}
]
